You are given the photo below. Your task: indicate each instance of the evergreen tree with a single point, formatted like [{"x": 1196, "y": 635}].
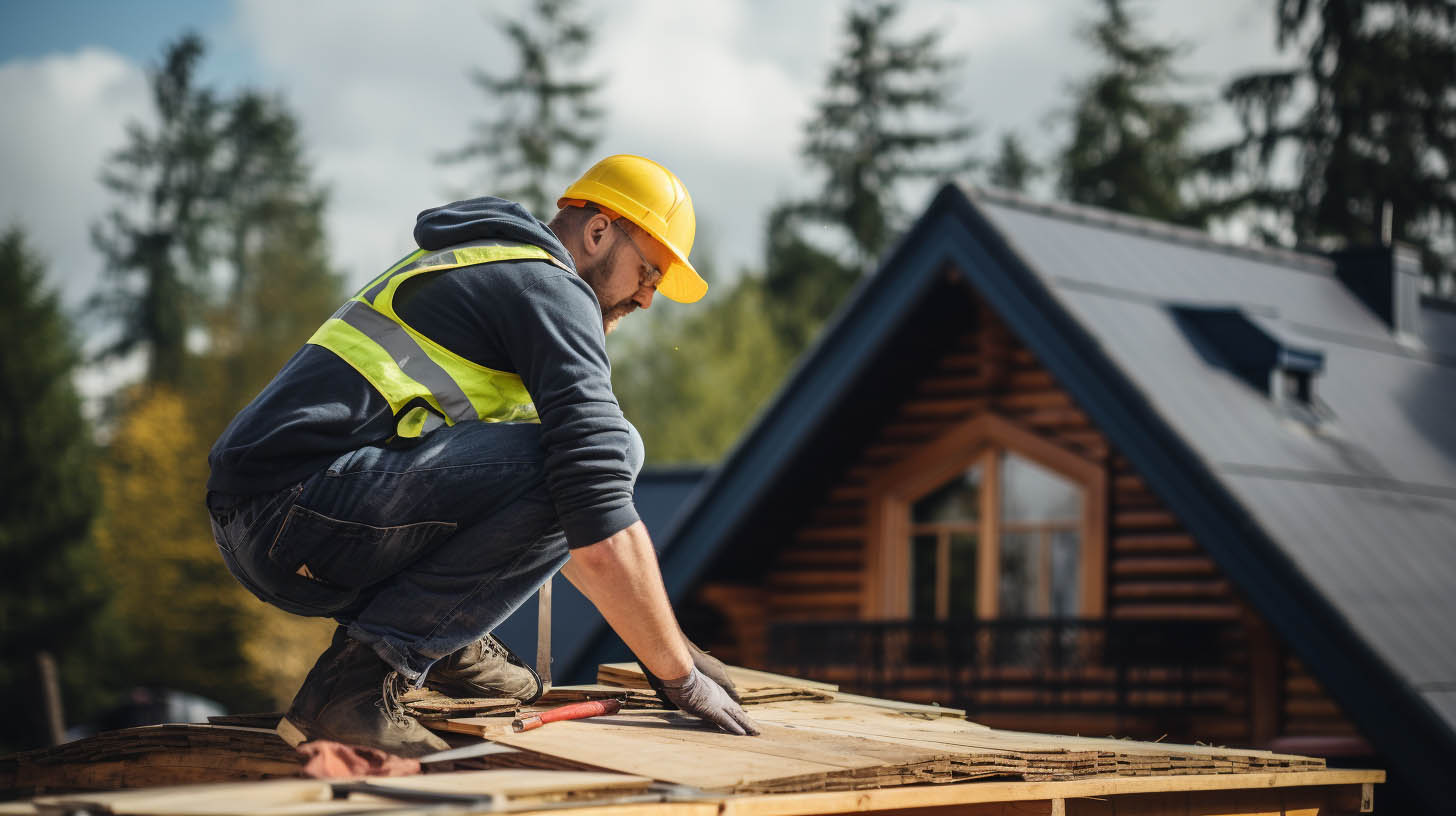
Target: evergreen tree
[
  {"x": 48, "y": 494},
  {"x": 802, "y": 283},
  {"x": 543, "y": 117},
  {"x": 1013, "y": 169},
  {"x": 1128, "y": 149},
  {"x": 155, "y": 240},
  {"x": 692, "y": 380},
  {"x": 283, "y": 286},
  {"x": 268, "y": 185},
  {"x": 881, "y": 123},
  {"x": 867, "y": 137},
  {"x": 1367, "y": 119}
]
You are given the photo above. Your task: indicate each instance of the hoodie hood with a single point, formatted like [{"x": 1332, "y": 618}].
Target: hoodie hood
[{"x": 478, "y": 219}]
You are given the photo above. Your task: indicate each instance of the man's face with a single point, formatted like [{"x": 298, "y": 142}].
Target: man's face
[{"x": 626, "y": 276}]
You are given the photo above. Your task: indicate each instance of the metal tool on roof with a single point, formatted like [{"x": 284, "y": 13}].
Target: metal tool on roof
[
  {"x": 466, "y": 752},
  {"x": 571, "y": 711},
  {"x": 543, "y": 635}
]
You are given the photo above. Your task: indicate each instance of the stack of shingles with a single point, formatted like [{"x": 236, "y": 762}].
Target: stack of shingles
[
  {"x": 152, "y": 755},
  {"x": 826, "y": 741}
]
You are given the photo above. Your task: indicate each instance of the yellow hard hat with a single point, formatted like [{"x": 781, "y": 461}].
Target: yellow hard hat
[{"x": 650, "y": 196}]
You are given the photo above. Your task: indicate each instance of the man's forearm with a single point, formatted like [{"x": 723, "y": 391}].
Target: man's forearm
[{"x": 620, "y": 576}]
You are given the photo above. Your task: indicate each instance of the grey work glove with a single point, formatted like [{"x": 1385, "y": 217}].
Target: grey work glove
[
  {"x": 701, "y": 697},
  {"x": 703, "y": 662}
]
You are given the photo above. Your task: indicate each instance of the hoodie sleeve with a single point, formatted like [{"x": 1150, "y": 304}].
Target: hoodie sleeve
[{"x": 553, "y": 335}]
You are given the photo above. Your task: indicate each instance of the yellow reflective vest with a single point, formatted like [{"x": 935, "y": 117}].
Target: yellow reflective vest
[{"x": 426, "y": 384}]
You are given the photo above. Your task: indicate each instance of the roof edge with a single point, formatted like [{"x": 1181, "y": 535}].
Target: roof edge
[{"x": 1315, "y": 263}]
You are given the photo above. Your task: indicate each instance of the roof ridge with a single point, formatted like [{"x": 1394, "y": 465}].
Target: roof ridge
[{"x": 1147, "y": 227}]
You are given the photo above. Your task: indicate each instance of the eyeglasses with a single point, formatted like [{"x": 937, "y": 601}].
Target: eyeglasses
[{"x": 651, "y": 276}]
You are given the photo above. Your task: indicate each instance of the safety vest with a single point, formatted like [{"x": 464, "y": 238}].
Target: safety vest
[{"x": 426, "y": 384}]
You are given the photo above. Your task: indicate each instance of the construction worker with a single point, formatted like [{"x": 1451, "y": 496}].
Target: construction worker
[{"x": 447, "y": 441}]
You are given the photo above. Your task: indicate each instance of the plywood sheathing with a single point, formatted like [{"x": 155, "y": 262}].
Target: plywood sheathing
[{"x": 825, "y": 746}]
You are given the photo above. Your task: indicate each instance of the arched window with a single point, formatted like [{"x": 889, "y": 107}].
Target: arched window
[{"x": 988, "y": 521}]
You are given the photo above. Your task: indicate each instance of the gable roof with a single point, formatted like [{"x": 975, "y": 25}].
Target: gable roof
[{"x": 1341, "y": 532}]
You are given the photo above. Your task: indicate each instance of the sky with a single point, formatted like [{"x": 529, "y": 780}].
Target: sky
[{"x": 716, "y": 90}]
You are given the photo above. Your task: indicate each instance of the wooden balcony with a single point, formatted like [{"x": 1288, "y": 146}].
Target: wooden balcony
[{"x": 1130, "y": 678}]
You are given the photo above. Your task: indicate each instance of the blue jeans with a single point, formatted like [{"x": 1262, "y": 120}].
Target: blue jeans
[{"x": 418, "y": 550}]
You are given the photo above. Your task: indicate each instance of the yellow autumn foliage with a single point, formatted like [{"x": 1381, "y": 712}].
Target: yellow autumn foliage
[{"x": 188, "y": 624}]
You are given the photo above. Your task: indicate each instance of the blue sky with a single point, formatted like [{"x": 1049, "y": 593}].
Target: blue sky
[{"x": 134, "y": 29}]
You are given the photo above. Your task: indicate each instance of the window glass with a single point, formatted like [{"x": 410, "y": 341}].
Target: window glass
[
  {"x": 962, "y": 575},
  {"x": 1017, "y": 593},
  {"x": 1066, "y": 587},
  {"x": 922, "y": 577},
  {"x": 1030, "y": 492},
  {"x": 956, "y": 500}
]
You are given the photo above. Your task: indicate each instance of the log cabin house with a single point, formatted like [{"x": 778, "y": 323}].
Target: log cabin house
[{"x": 1077, "y": 472}]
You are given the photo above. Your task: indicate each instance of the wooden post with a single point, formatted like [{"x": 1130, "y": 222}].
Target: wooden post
[
  {"x": 1264, "y": 683},
  {"x": 50, "y": 693}
]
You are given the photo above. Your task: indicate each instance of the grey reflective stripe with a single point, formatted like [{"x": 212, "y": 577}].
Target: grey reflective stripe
[
  {"x": 446, "y": 257},
  {"x": 411, "y": 359}
]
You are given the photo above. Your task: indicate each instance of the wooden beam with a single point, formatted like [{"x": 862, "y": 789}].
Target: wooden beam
[{"x": 886, "y": 799}]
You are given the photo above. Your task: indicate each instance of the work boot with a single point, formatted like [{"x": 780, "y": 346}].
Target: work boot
[
  {"x": 352, "y": 696},
  {"x": 485, "y": 668}
]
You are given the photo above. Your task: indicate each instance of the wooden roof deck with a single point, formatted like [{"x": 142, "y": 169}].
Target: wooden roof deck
[{"x": 818, "y": 754}]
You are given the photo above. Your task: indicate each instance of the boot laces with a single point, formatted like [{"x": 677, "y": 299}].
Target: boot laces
[
  {"x": 389, "y": 701},
  {"x": 494, "y": 648}
]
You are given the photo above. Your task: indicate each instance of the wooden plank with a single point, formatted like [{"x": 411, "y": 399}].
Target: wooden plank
[
  {"x": 1154, "y": 543},
  {"x": 674, "y": 747},
  {"x": 839, "y": 745},
  {"x": 1171, "y": 590},
  {"x": 518, "y": 787},
  {"x": 804, "y": 804},
  {"x": 1168, "y": 565},
  {"x": 629, "y": 675}
]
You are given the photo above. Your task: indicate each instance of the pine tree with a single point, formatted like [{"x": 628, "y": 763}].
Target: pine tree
[
  {"x": 268, "y": 184},
  {"x": 50, "y": 592},
  {"x": 283, "y": 286},
  {"x": 543, "y": 117},
  {"x": 1013, "y": 169},
  {"x": 1366, "y": 119},
  {"x": 1128, "y": 149},
  {"x": 806, "y": 282},
  {"x": 862, "y": 138},
  {"x": 155, "y": 240},
  {"x": 691, "y": 381}
]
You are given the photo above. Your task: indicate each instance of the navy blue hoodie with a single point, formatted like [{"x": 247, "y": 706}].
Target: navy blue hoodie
[{"x": 527, "y": 317}]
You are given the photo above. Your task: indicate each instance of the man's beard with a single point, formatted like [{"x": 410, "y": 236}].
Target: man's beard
[{"x": 611, "y": 315}]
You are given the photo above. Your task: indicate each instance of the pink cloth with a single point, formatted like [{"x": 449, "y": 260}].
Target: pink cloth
[{"x": 326, "y": 759}]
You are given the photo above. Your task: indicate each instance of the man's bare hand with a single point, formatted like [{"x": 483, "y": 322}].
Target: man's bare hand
[{"x": 701, "y": 697}]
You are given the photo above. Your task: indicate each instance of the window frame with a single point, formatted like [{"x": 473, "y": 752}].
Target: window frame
[{"x": 977, "y": 440}]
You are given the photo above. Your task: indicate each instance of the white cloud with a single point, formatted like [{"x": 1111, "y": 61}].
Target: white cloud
[{"x": 63, "y": 115}]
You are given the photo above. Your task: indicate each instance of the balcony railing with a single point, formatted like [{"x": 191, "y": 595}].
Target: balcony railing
[{"x": 1027, "y": 665}]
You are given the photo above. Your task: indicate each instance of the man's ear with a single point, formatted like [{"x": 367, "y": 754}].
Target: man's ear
[{"x": 594, "y": 232}]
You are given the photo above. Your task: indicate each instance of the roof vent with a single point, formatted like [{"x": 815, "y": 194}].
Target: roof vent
[
  {"x": 1226, "y": 338},
  {"x": 1388, "y": 281}
]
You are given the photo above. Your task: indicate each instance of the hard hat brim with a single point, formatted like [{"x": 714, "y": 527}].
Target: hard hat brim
[{"x": 682, "y": 283}]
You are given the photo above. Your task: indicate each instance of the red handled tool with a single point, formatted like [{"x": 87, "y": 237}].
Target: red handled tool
[{"x": 574, "y": 711}]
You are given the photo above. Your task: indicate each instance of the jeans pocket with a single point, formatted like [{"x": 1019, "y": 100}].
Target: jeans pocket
[{"x": 349, "y": 555}]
